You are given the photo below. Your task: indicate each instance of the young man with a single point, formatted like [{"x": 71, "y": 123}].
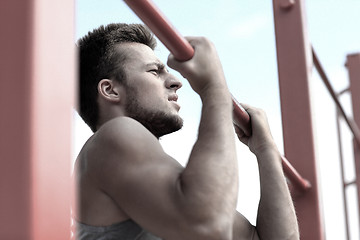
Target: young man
[{"x": 128, "y": 187}]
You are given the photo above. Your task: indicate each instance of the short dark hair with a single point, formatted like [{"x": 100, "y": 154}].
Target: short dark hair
[{"x": 98, "y": 60}]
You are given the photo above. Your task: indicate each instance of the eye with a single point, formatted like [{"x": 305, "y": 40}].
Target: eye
[{"x": 154, "y": 71}]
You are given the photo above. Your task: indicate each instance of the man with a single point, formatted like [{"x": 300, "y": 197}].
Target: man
[{"x": 128, "y": 187}]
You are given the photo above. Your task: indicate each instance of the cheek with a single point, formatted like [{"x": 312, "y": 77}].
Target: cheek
[
  {"x": 151, "y": 92},
  {"x": 154, "y": 92},
  {"x": 149, "y": 98}
]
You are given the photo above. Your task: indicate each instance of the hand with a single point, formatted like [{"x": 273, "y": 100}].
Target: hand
[
  {"x": 261, "y": 138},
  {"x": 202, "y": 71}
]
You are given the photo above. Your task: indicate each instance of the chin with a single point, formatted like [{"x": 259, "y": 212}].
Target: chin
[
  {"x": 169, "y": 125},
  {"x": 159, "y": 123}
]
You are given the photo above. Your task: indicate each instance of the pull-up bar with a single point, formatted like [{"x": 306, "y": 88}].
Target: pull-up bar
[{"x": 183, "y": 51}]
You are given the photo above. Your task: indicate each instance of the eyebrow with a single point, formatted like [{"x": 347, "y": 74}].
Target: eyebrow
[{"x": 159, "y": 65}]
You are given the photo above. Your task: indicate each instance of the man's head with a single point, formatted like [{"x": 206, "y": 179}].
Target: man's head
[{"x": 121, "y": 56}]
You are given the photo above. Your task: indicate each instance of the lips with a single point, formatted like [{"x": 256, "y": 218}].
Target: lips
[{"x": 173, "y": 98}]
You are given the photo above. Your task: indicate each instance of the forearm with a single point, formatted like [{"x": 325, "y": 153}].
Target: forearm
[
  {"x": 276, "y": 215},
  {"x": 210, "y": 177}
]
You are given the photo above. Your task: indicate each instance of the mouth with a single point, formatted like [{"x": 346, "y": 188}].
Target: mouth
[{"x": 173, "y": 98}]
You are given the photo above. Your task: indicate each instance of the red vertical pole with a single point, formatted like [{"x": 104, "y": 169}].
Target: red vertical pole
[
  {"x": 37, "y": 72},
  {"x": 353, "y": 66},
  {"x": 15, "y": 49},
  {"x": 294, "y": 67}
]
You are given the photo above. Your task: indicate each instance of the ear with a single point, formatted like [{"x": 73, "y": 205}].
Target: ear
[{"x": 109, "y": 90}]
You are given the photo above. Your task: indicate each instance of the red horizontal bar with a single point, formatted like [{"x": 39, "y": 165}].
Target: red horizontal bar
[
  {"x": 294, "y": 177},
  {"x": 162, "y": 28},
  {"x": 147, "y": 11},
  {"x": 240, "y": 117}
]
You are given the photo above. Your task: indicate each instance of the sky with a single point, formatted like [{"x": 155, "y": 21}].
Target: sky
[{"x": 243, "y": 33}]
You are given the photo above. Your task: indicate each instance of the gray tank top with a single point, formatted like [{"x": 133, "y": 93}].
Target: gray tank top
[{"x": 127, "y": 230}]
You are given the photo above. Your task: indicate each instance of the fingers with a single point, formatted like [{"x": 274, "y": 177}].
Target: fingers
[
  {"x": 195, "y": 42},
  {"x": 181, "y": 67},
  {"x": 253, "y": 111},
  {"x": 245, "y": 106},
  {"x": 241, "y": 135},
  {"x": 172, "y": 62},
  {"x": 248, "y": 107},
  {"x": 203, "y": 69}
]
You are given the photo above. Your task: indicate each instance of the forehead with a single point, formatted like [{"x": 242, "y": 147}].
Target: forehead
[{"x": 137, "y": 54}]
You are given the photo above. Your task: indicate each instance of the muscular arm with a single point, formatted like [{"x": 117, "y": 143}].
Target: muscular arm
[
  {"x": 195, "y": 202},
  {"x": 210, "y": 177},
  {"x": 276, "y": 215}
]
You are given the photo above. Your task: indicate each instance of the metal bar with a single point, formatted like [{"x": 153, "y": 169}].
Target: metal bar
[
  {"x": 15, "y": 133},
  {"x": 352, "y": 125},
  {"x": 52, "y": 102},
  {"x": 240, "y": 117},
  {"x": 343, "y": 91},
  {"x": 300, "y": 184},
  {"x": 350, "y": 183},
  {"x": 36, "y": 101},
  {"x": 294, "y": 68},
  {"x": 353, "y": 66},
  {"x": 162, "y": 28},
  {"x": 342, "y": 172},
  {"x": 176, "y": 43}
]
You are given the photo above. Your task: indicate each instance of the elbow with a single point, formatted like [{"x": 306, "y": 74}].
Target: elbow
[
  {"x": 213, "y": 230},
  {"x": 294, "y": 236}
]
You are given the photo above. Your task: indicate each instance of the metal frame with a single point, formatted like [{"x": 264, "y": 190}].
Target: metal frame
[
  {"x": 37, "y": 97},
  {"x": 353, "y": 66},
  {"x": 296, "y": 58},
  {"x": 294, "y": 67},
  {"x": 342, "y": 173},
  {"x": 37, "y": 72},
  {"x": 350, "y": 122}
]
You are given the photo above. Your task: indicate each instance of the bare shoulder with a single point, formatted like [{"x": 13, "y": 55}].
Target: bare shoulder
[
  {"x": 107, "y": 165},
  {"x": 121, "y": 143},
  {"x": 123, "y": 149},
  {"x": 127, "y": 163},
  {"x": 124, "y": 133}
]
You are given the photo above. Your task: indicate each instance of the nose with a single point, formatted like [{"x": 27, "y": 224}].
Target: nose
[{"x": 173, "y": 83}]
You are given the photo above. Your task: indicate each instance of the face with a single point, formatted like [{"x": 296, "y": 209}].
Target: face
[{"x": 151, "y": 95}]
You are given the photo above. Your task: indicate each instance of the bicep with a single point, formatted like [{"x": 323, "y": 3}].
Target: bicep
[{"x": 146, "y": 192}]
